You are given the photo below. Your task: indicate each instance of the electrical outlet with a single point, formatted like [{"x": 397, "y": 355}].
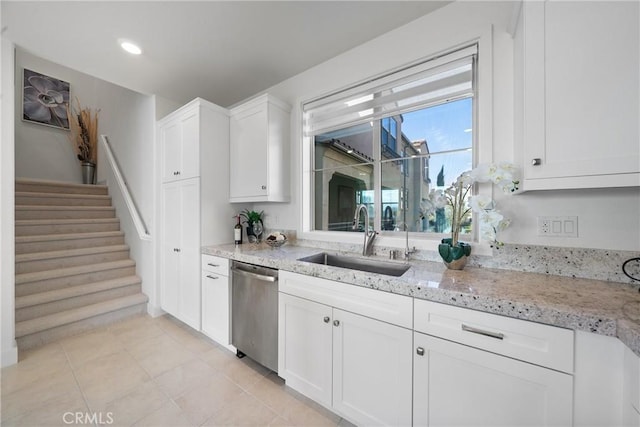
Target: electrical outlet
[{"x": 558, "y": 226}]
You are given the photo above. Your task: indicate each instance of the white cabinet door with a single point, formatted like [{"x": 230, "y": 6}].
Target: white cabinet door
[
  {"x": 259, "y": 141},
  {"x": 215, "y": 307},
  {"x": 190, "y": 155},
  {"x": 304, "y": 347},
  {"x": 170, "y": 244},
  {"x": 581, "y": 94},
  {"x": 248, "y": 135},
  {"x": 457, "y": 385},
  {"x": 170, "y": 145},
  {"x": 372, "y": 373},
  {"x": 180, "y": 146},
  {"x": 180, "y": 280},
  {"x": 190, "y": 299}
]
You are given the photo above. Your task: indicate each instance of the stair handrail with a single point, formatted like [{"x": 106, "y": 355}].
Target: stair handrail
[{"x": 139, "y": 223}]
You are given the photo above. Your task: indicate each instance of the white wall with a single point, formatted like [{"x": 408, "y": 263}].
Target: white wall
[
  {"x": 45, "y": 152},
  {"x": 608, "y": 219},
  {"x": 8, "y": 347},
  {"x": 165, "y": 106}
]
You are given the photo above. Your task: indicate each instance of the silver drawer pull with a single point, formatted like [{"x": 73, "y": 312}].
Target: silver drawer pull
[
  {"x": 212, "y": 277},
  {"x": 213, "y": 265},
  {"x": 420, "y": 351},
  {"x": 326, "y": 319},
  {"x": 496, "y": 335}
]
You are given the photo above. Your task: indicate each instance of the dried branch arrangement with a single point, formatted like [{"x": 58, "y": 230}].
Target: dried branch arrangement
[{"x": 83, "y": 123}]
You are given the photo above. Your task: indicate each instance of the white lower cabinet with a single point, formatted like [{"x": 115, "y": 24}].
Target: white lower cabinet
[
  {"x": 458, "y": 385},
  {"x": 216, "y": 299},
  {"x": 305, "y": 337},
  {"x": 180, "y": 282},
  {"x": 377, "y": 358},
  {"x": 355, "y": 365},
  {"x": 631, "y": 390},
  {"x": 480, "y": 369},
  {"x": 371, "y": 370}
]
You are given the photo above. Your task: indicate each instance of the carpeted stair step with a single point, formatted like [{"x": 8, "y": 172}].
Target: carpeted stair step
[
  {"x": 64, "y": 212},
  {"x": 34, "y": 332},
  {"x": 61, "y": 199},
  {"x": 31, "y": 227},
  {"x": 44, "y": 186},
  {"x": 45, "y": 303},
  {"x": 73, "y": 271},
  {"x": 59, "y": 242},
  {"x": 42, "y": 281},
  {"x": 41, "y": 261}
]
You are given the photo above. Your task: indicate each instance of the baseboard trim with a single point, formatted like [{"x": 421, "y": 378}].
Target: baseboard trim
[
  {"x": 10, "y": 356},
  {"x": 154, "y": 310}
]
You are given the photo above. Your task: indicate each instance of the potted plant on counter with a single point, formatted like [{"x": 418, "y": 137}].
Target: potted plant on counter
[
  {"x": 454, "y": 253},
  {"x": 83, "y": 123},
  {"x": 255, "y": 226}
]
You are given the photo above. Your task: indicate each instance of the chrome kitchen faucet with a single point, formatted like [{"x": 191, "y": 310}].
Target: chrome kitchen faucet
[{"x": 369, "y": 236}]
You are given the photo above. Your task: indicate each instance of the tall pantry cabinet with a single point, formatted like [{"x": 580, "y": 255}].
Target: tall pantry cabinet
[{"x": 194, "y": 209}]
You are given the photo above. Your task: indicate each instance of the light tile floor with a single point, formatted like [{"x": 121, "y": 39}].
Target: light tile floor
[{"x": 149, "y": 372}]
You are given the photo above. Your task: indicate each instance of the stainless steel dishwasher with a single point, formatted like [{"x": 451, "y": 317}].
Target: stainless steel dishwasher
[{"x": 254, "y": 313}]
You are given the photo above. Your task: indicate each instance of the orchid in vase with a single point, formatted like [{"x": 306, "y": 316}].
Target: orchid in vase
[{"x": 457, "y": 197}]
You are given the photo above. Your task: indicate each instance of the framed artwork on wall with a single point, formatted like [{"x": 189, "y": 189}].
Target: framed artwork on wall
[{"x": 45, "y": 100}]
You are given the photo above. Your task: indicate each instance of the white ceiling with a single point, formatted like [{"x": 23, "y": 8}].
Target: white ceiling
[{"x": 223, "y": 51}]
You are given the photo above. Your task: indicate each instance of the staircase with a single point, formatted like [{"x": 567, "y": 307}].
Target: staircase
[{"x": 73, "y": 271}]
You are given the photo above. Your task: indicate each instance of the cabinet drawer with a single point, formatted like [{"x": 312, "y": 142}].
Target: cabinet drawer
[
  {"x": 531, "y": 342},
  {"x": 215, "y": 264},
  {"x": 384, "y": 306}
]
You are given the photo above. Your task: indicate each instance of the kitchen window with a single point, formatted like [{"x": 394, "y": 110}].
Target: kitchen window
[{"x": 388, "y": 142}]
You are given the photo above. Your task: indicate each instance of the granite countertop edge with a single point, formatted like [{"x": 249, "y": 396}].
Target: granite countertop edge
[{"x": 595, "y": 306}]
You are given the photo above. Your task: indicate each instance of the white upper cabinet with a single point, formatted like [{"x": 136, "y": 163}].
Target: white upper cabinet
[
  {"x": 259, "y": 151},
  {"x": 179, "y": 145},
  {"x": 577, "y": 92}
]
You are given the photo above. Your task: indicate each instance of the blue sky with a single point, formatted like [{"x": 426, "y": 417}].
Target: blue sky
[{"x": 445, "y": 127}]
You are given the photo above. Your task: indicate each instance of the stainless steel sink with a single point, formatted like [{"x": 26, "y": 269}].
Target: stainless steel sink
[{"x": 362, "y": 264}]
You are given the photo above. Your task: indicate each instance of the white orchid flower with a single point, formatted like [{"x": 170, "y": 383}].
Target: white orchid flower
[
  {"x": 491, "y": 218},
  {"x": 481, "y": 203},
  {"x": 438, "y": 198},
  {"x": 481, "y": 173}
]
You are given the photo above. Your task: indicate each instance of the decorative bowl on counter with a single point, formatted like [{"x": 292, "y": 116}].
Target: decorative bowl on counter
[{"x": 276, "y": 239}]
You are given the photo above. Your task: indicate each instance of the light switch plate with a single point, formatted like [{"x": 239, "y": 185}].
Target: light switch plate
[{"x": 558, "y": 226}]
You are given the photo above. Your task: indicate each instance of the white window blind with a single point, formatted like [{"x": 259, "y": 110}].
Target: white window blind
[{"x": 446, "y": 78}]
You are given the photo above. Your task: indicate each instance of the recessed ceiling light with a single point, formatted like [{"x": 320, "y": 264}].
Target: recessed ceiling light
[{"x": 130, "y": 47}]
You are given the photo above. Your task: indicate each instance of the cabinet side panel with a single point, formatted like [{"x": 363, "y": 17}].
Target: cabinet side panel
[{"x": 598, "y": 380}]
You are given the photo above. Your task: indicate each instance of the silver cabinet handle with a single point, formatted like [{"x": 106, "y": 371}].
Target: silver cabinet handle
[
  {"x": 336, "y": 323},
  {"x": 176, "y": 249},
  {"x": 326, "y": 319},
  {"x": 536, "y": 162},
  {"x": 264, "y": 187},
  {"x": 213, "y": 265},
  {"x": 420, "y": 351},
  {"x": 496, "y": 335},
  {"x": 212, "y": 277}
]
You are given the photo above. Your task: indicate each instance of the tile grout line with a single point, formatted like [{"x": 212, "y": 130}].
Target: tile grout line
[{"x": 75, "y": 378}]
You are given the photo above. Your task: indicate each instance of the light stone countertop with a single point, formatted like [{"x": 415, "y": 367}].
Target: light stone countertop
[{"x": 607, "y": 308}]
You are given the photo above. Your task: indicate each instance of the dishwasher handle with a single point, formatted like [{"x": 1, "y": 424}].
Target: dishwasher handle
[{"x": 261, "y": 277}]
